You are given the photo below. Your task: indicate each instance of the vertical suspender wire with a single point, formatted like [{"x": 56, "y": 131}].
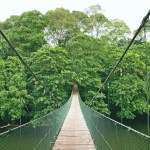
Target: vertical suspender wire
[
  {"x": 121, "y": 96},
  {"x": 20, "y": 129},
  {"x": 121, "y": 110},
  {"x": 20, "y": 122},
  {"x": 20, "y": 114},
  {"x": 108, "y": 101},
  {"x": 34, "y": 138}
]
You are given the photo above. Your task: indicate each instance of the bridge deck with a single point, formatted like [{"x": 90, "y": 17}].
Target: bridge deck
[{"x": 74, "y": 134}]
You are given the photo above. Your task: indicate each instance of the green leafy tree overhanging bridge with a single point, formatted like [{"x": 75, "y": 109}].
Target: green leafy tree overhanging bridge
[{"x": 107, "y": 134}]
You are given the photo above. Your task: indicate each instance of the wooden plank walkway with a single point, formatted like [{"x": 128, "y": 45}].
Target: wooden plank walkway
[{"x": 74, "y": 134}]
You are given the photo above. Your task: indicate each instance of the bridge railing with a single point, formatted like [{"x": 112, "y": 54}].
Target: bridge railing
[
  {"x": 109, "y": 134},
  {"x": 39, "y": 134}
]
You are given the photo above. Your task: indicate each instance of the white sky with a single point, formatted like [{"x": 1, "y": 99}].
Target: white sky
[{"x": 131, "y": 11}]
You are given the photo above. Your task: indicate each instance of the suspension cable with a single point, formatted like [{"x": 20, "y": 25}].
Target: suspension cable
[
  {"x": 25, "y": 64},
  {"x": 145, "y": 19}
]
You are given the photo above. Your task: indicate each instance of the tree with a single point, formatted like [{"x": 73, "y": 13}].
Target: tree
[
  {"x": 86, "y": 55},
  {"x": 128, "y": 91},
  {"x": 49, "y": 64},
  {"x": 14, "y": 97},
  {"x": 9, "y": 23},
  {"x": 61, "y": 26},
  {"x": 81, "y": 18},
  {"x": 117, "y": 32},
  {"x": 95, "y": 22},
  {"x": 85, "y": 47},
  {"x": 26, "y": 32},
  {"x": 93, "y": 10}
]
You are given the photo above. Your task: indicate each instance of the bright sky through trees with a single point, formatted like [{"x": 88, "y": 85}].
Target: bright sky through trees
[{"x": 131, "y": 11}]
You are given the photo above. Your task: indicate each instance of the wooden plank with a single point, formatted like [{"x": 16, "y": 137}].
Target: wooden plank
[{"x": 74, "y": 134}]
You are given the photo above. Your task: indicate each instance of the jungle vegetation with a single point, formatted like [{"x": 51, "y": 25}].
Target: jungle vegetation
[{"x": 64, "y": 48}]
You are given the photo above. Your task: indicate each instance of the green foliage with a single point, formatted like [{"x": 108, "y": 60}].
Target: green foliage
[
  {"x": 61, "y": 26},
  {"x": 117, "y": 31},
  {"x": 64, "y": 48},
  {"x": 95, "y": 24},
  {"x": 128, "y": 87},
  {"x": 86, "y": 55},
  {"x": 13, "y": 93},
  {"x": 26, "y": 31},
  {"x": 49, "y": 65}
]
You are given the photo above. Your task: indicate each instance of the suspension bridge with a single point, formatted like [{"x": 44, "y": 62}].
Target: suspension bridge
[{"x": 75, "y": 126}]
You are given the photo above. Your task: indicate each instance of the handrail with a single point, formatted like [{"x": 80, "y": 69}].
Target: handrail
[
  {"x": 111, "y": 134},
  {"x": 34, "y": 134}
]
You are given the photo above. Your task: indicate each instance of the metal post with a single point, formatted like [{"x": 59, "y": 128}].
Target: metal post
[
  {"x": 108, "y": 95},
  {"x": 121, "y": 97}
]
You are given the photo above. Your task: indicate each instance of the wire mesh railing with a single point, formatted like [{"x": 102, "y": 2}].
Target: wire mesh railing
[
  {"x": 109, "y": 134},
  {"x": 39, "y": 134}
]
